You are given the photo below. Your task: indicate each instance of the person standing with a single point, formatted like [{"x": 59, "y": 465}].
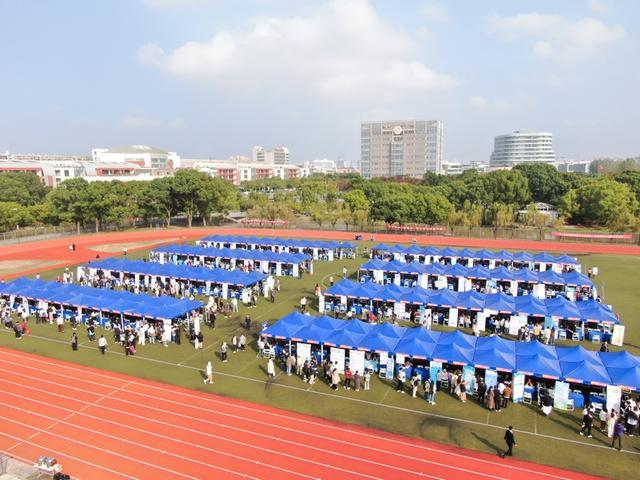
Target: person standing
[
  {"x": 303, "y": 304},
  {"x": 102, "y": 344},
  {"x": 234, "y": 344},
  {"x": 587, "y": 422},
  {"x": 223, "y": 352},
  {"x": 344, "y": 272},
  {"x": 510, "y": 440},
  {"x": 401, "y": 377},
  {"x": 242, "y": 342},
  {"x": 415, "y": 383},
  {"x": 271, "y": 369},
  {"x": 618, "y": 432},
  {"x": 356, "y": 381},
  {"x": 209, "y": 373},
  {"x": 367, "y": 379},
  {"x": 290, "y": 363},
  {"x": 347, "y": 378},
  {"x": 74, "y": 342}
]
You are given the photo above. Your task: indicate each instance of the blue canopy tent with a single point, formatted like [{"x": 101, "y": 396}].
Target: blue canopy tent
[
  {"x": 551, "y": 277},
  {"x": 502, "y": 274},
  {"x": 495, "y": 352},
  {"x": 575, "y": 278},
  {"x": 104, "y": 300},
  {"x": 560, "y": 307},
  {"x": 180, "y": 272},
  {"x": 500, "y": 302},
  {"x": 574, "y": 364},
  {"x": 470, "y": 300},
  {"x": 531, "y": 306},
  {"x": 594, "y": 311},
  {"x": 522, "y": 257},
  {"x": 443, "y": 298},
  {"x": 418, "y": 343}
]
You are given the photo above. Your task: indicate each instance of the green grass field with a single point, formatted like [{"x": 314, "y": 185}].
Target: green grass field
[{"x": 551, "y": 440}]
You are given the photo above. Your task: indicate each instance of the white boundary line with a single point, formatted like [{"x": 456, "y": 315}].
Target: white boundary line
[
  {"x": 187, "y": 429},
  {"x": 509, "y": 467},
  {"x": 65, "y": 455}
]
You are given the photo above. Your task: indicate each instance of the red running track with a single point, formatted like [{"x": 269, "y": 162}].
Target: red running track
[
  {"x": 102, "y": 425},
  {"x": 57, "y": 249}
]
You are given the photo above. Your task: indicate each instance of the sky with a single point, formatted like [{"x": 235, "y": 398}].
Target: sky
[{"x": 212, "y": 78}]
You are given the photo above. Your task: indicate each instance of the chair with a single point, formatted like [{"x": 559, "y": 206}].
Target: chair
[
  {"x": 444, "y": 385},
  {"x": 562, "y": 334},
  {"x": 597, "y": 407},
  {"x": 570, "y": 404},
  {"x": 527, "y": 398},
  {"x": 595, "y": 337},
  {"x": 575, "y": 337},
  {"x": 269, "y": 352}
]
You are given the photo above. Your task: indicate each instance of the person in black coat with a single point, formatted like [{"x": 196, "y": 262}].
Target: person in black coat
[
  {"x": 482, "y": 391},
  {"x": 510, "y": 440},
  {"x": 74, "y": 341}
]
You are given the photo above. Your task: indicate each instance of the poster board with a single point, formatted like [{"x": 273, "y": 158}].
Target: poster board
[
  {"x": 303, "y": 351},
  {"x": 321, "y": 303},
  {"x": 481, "y": 321},
  {"x": 400, "y": 358},
  {"x": 491, "y": 378},
  {"x": 391, "y": 366},
  {"x": 617, "y": 338},
  {"x": 518, "y": 387},
  {"x": 561, "y": 395},
  {"x": 434, "y": 368},
  {"x": 382, "y": 364},
  {"x": 469, "y": 375},
  {"x": 356, "y": 361},
  {"x": 337, "y": 356},
  {"x": 614, "y": 397},
  {"x": 453, "y": 317}
]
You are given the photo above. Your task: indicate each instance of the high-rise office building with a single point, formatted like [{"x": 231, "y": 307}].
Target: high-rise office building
[
  {"x": 277, "y": 156},
  {"x": 522, "y": 146},
  {"x": 401, "y": 148}
]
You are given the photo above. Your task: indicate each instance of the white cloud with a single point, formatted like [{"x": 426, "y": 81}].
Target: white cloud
[
  {"x": 343, "y": 50},
  {"x": 175, "y": 3},
  {"x": 557, "y": 38},
  {"x": 135, "y": 120},
  {"x": 435, "y": 12}
]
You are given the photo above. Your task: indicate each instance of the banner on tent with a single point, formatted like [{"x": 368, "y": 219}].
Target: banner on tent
[
  {"x": 481, "y": 321},
  {"x": 614, "y": 397},
  {"x": 337, "y": 358},
  {"x": 518, "y": 387},
  {"x": 356, "y": 361},
  {"x": 491, "y": 378},
  {"x": 453, "y": 317},
  {"x": 303, "y": 350},
  {"x": 617, "y": 338},
  {"x": 561, "y": 396},
  {"x": 434, "y": 368}
]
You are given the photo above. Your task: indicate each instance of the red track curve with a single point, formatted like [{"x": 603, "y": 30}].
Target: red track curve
[
  {"x": 102, "y": 425},
  {"x": 57, "y": 249}
]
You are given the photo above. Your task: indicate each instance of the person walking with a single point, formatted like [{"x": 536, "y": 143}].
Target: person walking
[
  {"x": 271, "y": 369},
  {"x": 510, "y": 440},
  {"x": 102, "y": 344},
  {"x": 618, "y": 432},
  {"x": 209, "y": 373}
]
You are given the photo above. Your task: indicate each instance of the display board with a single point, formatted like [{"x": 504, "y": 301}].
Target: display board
[
  {"x": 491, "y": 378},
  {"x": 517, "y": 389},
  {"x": 303, "y": 351},
  {"x": 356, "y": 361},
  {"x": 617, "y": 338},
  {"x": 614, "y": 397},
  {"x": 561, "y": 395},
  {"x": 337, "y": 356}
]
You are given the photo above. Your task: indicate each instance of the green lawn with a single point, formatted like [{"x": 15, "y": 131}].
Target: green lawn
[{"x": 552, "y": 440}]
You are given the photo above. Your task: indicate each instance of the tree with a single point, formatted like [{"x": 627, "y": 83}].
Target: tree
[
  {"x": 157, "y": 200},
  {"x": 357, "y": 207},
  {"x": 632, "y": 180},
  {"x": 500, "y": 216},
  {"x": 189, "y": 189},
  {"x": 601, "y": 202},
  {"x": 25, "y": 188},
  {"x": 217, "y": 196},
  {"x": 430, "y": 208},
  {"x": 101, "y": 201},
  {"x": 545, "y": 182},
  {"x": 70, "y": 201},
  {"x": 508, "y": 187},
  {"x": 13, "y": 215}
]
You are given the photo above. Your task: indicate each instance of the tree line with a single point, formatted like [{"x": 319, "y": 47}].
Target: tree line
[{"x": 469, "y": 199}]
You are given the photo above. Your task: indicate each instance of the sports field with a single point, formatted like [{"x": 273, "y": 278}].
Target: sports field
[{"x": 549, "y": 440}]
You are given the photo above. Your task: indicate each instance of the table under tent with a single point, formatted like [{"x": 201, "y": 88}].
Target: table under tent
[
  {"x": 459, "y": 278},
  {"x": 318, "y": 249},
  {"x": 107, "y": 306},
  {"x": 272, "y": 263},
  {"x": 200, "y": 280},
  {"x": 469, "y": 257},
  {"x": 574, "y": 320}
]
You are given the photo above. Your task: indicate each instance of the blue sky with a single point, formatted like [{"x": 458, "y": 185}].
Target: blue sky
[{"x": 211, "y": 78}]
